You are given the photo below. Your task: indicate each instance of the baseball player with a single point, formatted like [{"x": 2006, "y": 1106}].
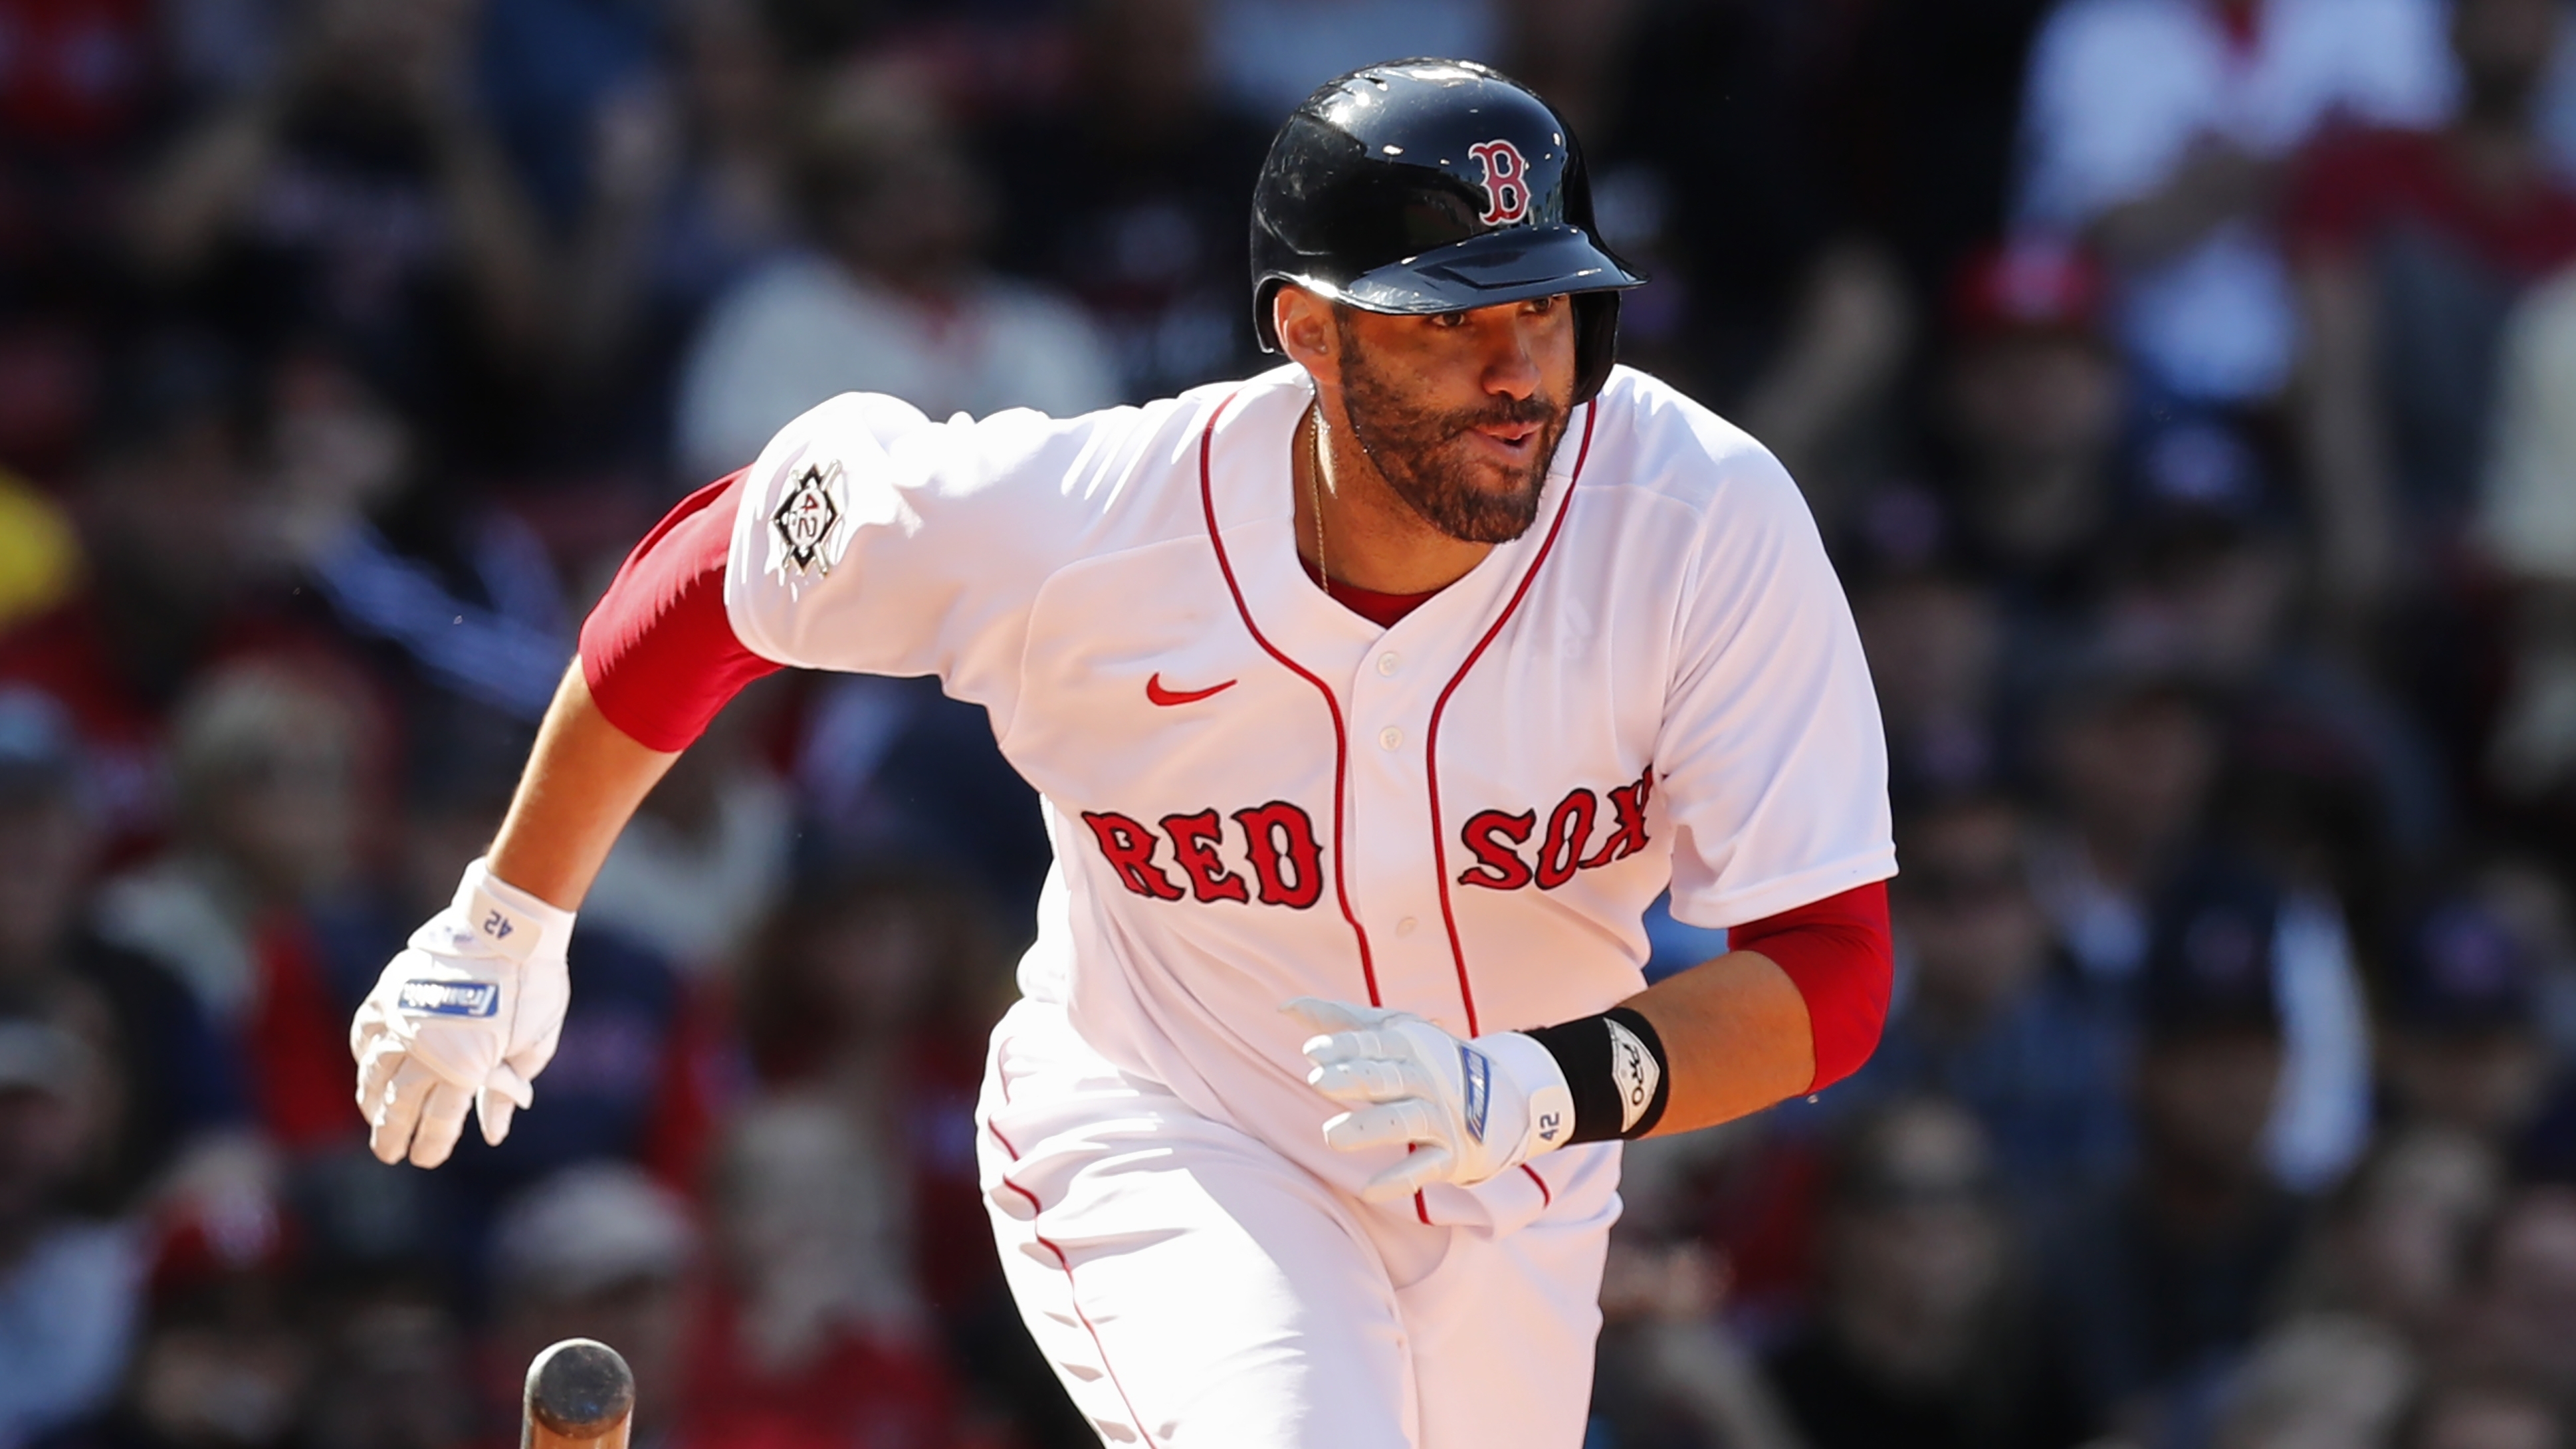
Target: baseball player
[{"x": 1372, "y": 701}]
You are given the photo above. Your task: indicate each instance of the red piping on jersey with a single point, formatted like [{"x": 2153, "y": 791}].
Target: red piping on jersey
[
  {"x": 1341, "y": 738},
  {"x": 1431, "y": 742},
  {"x": 1431, "y": 774},
  {"x": 1546, "y": 1199},
  {"x": 1062, "y": 1261}
]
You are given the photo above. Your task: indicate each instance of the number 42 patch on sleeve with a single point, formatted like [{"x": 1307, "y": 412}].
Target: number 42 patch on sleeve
[{"x": 807, "y": 515}]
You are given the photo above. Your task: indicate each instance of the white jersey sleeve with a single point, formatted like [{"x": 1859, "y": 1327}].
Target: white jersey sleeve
[
  {"x": 1771, "y": 758},
  {"x": 870, "y": 539}
]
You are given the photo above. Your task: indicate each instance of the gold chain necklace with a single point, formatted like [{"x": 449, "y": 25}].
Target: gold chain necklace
[{"x": 1315, "y": 480}]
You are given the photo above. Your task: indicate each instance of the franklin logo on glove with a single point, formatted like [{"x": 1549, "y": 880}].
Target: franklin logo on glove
[{"x": 451, "y": 998}]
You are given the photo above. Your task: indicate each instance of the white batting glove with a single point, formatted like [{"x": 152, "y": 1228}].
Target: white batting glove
[
  {"x": 1470, "y": 1109},
  {"x": 466, "y": 1014}
]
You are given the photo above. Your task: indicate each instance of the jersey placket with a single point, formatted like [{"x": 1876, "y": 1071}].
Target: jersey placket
[
  {"x": 1401, "y": 689},
  {"x": 1390, "y": 706}
]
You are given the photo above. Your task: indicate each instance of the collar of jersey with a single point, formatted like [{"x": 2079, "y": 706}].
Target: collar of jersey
[{"x": 1248, "y": 480}]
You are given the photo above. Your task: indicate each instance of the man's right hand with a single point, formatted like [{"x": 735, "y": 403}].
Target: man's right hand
[{"x": 466, "y": 1015}]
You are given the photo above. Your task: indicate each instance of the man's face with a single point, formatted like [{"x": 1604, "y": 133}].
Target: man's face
[
  {"x": 1461, "y": 411},
  {"x": 2485, "y": 1082},
  {"x": 287, "y": 814},
  {"x": 2205, "y": 1097},
  {"x": 2033, "y": 399},
  {"x": 1932, "y": 646},
  {"x": 1965, "y": 903},
  {"x": 165, "y": 521},
  {"x": 2139, "y": 768}
]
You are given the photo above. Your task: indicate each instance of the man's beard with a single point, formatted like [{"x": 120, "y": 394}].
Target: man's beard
[{"x": 1424, "y": 454}]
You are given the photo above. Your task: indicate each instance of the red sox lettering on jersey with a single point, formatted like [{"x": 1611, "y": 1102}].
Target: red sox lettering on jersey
[
  {"x": 1495, "y": 838},
  {"x": 1256, "y": 794},
  {"x": 1277, "y": 842}
]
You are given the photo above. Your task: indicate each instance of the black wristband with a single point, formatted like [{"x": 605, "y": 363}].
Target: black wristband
[{"x": 1614, "y": 1065}]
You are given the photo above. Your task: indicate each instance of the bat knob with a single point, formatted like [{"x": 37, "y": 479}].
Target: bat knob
[{"x": 579, "y": 1392}]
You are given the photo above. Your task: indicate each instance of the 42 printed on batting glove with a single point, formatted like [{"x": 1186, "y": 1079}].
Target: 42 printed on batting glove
[
  {"x": 465, "y": 1016},
  {"x": 1469, "y": 1109}
]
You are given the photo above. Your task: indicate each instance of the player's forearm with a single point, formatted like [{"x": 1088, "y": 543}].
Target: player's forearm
[
  {"x": 1796, "y": 1006},
  {"x": 1736, "y": 1039},
  {"x": 1726, "y": 1038},
  {"x": 658, "y": 659},
  {"x": 583, "y": 781}
]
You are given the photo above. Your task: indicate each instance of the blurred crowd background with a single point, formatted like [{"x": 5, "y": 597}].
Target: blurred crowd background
[{"x": 2187, "y": 389}]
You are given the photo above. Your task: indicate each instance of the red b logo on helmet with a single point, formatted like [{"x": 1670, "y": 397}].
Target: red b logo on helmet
[{"x": 1507, "y": 195}]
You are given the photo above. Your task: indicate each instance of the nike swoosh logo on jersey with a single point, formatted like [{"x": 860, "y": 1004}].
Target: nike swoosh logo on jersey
[{"x": 1155, "y": 691}]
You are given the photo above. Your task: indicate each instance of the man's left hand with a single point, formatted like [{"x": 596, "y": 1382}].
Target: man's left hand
[{"x": 1471, "y": 1110}]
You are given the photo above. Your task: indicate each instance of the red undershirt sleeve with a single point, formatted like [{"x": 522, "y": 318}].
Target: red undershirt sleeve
[
  {"x": 658, "y": 652},
  {"x": 1840, "y": 955}
]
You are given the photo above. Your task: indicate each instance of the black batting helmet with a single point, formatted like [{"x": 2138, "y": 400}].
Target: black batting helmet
[{"x": 1423, "y": 186}]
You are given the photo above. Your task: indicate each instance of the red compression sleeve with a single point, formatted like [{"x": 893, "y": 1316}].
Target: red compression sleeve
[
  {"x": 1839, "y": 954},
  {"x": 658, "y": 653}
]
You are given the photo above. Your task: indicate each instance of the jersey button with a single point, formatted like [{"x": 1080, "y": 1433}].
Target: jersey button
[
  {"x": 1405, "y": 926},
  {"x": 1389, "y": 662},
  {"x": 1390, "y": 738}
]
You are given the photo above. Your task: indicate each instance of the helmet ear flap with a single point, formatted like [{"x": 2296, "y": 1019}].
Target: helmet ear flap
[
  {"x": 1596, "y": 341},
  {"x": 1265, "y": 318}
]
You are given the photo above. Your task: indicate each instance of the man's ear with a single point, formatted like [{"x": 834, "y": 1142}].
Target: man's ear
[{"x": 1307, "y": 333}]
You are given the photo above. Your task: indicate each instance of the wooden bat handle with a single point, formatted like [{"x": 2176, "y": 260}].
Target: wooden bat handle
[{"x": 581, "y": 1395}]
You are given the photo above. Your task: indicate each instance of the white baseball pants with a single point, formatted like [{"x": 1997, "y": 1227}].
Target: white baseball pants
[{"x": 1194, "y": 1288}]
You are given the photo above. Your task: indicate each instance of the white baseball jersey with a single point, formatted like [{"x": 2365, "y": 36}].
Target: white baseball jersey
[{"x": 1256, "y": 794}]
